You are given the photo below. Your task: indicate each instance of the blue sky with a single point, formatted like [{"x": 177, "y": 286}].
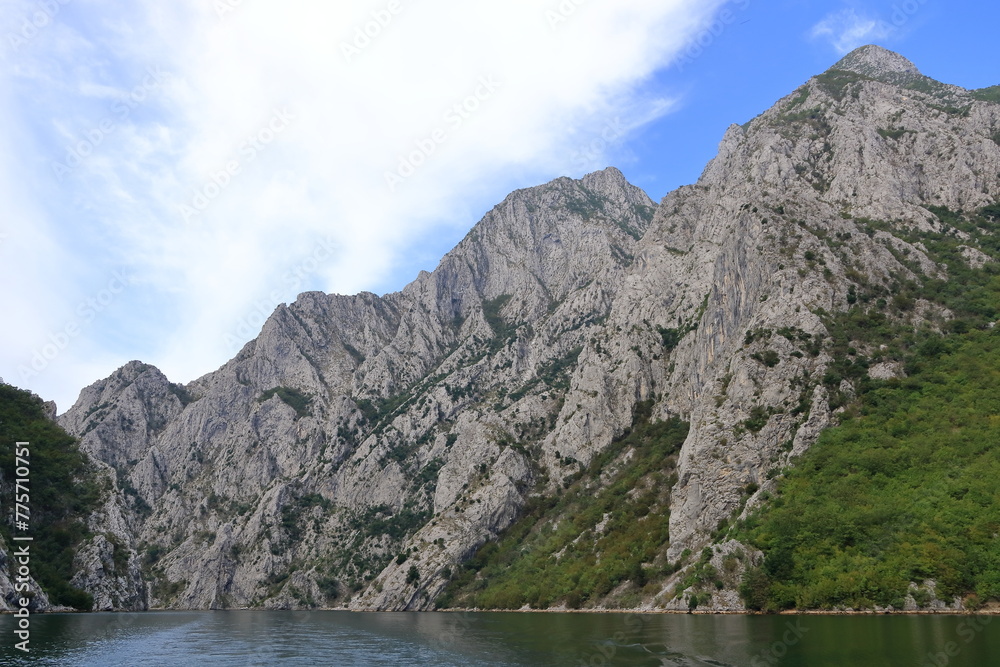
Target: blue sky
[{"x": 171, "y": 172}]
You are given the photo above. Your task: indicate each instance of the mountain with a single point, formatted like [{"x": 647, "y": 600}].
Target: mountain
[
  {"x": 309, "y": 463},
  {"x": 52, "y": 488},
  {"x": 807, "y": 225},
  {"x": 582, "y": 343}
]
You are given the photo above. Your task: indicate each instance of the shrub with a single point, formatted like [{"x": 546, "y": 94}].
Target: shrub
[
  {"x": 294, "y": 398},
  {"x": 518, "y": 568},
  {"x": 755, "y": 589},
  {"x": 769, "y": 358},
  {"x": 902, "y": 493}
]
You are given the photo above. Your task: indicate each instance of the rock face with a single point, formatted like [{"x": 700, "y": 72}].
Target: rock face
[
  {"x": 11, "y": 593},
  {"x": 361, "y": 447},
  {"x": 877, "y": 63}
]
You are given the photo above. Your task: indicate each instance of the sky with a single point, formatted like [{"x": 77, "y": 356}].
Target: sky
[{"x": 171, "y": 172}]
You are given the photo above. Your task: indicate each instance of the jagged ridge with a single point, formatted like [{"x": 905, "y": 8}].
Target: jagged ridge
[{"x": 361, "y": 447}]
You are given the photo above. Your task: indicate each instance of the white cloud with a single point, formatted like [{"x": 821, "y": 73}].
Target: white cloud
[
  {"x": 847, "y": 30},
  {"x": 277, "y": 124}
]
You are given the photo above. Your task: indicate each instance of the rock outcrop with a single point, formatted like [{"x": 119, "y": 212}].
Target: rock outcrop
[{"x": 361, "y": 446}]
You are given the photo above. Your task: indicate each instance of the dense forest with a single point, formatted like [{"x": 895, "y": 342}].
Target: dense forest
[{"x": 62, "y": 492}]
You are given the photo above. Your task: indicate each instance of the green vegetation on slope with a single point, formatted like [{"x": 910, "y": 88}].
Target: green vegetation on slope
[
  {"x": 904, "y": 490},
  {"x": 61, "y": 492},
  {"x": 503, "y": 331},
  {"x": 608, "y": 527},
  {"x": 293, "y": 398},
  {"x": 991, "y": 94},
  {"x": 901, "y": 493}
]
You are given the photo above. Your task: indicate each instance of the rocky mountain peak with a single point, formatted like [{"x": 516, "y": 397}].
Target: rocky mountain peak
[
  {"x": 363, "y": 447},
  {"x": 606, "y": 179},
  {"x": 611, "y": 184},
  {"x": 878, "y": 63}
]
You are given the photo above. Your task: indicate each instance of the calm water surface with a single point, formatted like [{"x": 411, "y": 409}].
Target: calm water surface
[{"x": 344, "y": 639}]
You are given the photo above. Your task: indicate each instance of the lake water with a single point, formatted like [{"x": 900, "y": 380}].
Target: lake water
[{"x": 469, "y": 640}]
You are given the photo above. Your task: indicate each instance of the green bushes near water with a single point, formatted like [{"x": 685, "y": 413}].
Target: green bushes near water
[
  {"x": 575, "y": 548},
  {"x": 62, "y": 490},
  {"x": 904, "y": 492}
]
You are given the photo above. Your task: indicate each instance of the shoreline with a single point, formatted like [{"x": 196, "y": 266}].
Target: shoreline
[
  {"x": 657, "y": 612},
  {"x": 994, "y": 610}
]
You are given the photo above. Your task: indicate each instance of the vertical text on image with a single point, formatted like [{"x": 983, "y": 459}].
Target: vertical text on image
[{"x": 21, "y": 556}]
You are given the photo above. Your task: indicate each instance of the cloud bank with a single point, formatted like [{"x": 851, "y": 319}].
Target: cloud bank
[{"x": 172, "y": 171}]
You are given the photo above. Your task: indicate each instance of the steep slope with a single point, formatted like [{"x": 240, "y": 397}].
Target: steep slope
[
  {"x": 305, "y": 467},
  {"x": 906, "y": 492},
  {"x": 362, "y": 447},
  {"x": 781, "y": 215},
  {"x": 49, "y": 492},
  {"x": 778, "y": 234},
  {"x": 806, "y": 212}
]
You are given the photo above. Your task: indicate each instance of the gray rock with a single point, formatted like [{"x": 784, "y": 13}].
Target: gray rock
[{"x": 362, "y": 447}]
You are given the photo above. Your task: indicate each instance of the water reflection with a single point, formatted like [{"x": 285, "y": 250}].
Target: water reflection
[{"x": 499, "y": 639}]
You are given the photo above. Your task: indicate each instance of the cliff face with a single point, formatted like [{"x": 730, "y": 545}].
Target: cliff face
[
  {"x": 354, "y": 429},
  {"x": 361, "y": 447},
  {"x": 781, "y": 217}
]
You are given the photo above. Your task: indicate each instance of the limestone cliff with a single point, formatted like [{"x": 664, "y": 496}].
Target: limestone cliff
[{"x": 361, "y": 446}]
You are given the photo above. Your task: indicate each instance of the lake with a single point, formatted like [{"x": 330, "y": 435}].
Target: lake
[{"x": 473, "y": 639}]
